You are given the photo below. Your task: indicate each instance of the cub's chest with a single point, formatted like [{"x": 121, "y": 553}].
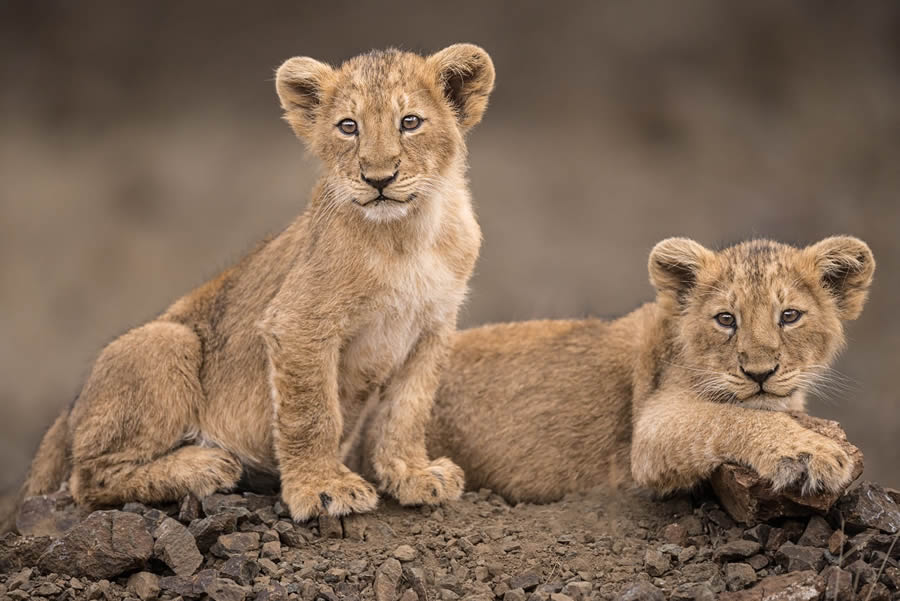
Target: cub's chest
[{"x": 418, "y": 295}]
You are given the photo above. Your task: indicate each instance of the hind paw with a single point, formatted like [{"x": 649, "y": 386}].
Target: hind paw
[
  {"x": 212, "y": 470},
  {"x": 437, "y": 482}
]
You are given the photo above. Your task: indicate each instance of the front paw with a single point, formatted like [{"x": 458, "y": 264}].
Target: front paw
[
  {"x": 437, "y": 482},
  {"x": 335, "y": 494},
  {"x": 813, "y": 463}
]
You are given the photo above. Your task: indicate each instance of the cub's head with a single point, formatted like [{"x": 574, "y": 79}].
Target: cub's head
[
  {"x": 759, "y": 323},
  {"x": 388, "y": 125}
]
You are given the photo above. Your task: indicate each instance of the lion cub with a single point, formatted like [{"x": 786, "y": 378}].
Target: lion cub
[
  {"x": 269, "y": 365},
  {"x": 665, "y": 394}
]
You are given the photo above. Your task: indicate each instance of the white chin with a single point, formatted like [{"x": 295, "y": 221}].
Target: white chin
[
  {"x": 770, "y": 402},
  {"x": 385, "y": 212}
]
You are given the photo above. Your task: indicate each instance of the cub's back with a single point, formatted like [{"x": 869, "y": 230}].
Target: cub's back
[{"x": 536, "y": 409}]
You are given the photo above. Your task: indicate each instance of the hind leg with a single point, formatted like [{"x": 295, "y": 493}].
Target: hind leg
[
  {"x": 138, "y": 407},
  {"x": 48, "y": 469}
]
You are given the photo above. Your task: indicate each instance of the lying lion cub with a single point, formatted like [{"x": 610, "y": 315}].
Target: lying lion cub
[
  {"x": 268, "y": 365},
  {"x": 667, "y": 393}
]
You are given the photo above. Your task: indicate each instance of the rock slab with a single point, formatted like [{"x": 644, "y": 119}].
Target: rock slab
[
  {"x": 870, "y": 506},
  {"x": 793, "y": 586},
  {"x": 104, "y": 545},
  {"x": 749, "y": 499}
]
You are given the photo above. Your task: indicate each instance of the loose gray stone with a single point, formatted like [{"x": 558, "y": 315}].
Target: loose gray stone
[
  {"x": 17, "y": 580},
  {"x": 405, "y": 553},
  {"x": 409, "y": 595},
  {"x": 838, "y": 584},
  {"x": 241, "y": 570},
  {"x": 144, "y": 585},
  {"x": 515, "y": 594},
  {"x": 796, "y": 558},
  {"x": 675, "y": 534},
  {"x": 874, "y": 592},
  {"x": 189, "y": 510},
  {"x": 387, "y": 580},
  {"x": 527, "y": 580},
  {"x": 862, "y": 572},
  {"x": 640, "y": 591},
  {"x": 656, "y": 563},
  {"x": 235, "y": 543},
  {"x": 274, "y": 591},
  {"x": 736, "y": 550},
  {"x": 216, "y": 503},
  {"x": 207, "y": 531},
  {"x": 222, "y": 589},
  {"x": 758, "y": 562},
  {"x": 739, "y": 576},
  {"x": 816, "y": 534},
  {"x": 287, "y": 534},
  {"x": 579, "y": 591},
  {"x": 177, "y": 548},
  {"x": 271, "y": 550},
  {"x": 415, "y": 576}
]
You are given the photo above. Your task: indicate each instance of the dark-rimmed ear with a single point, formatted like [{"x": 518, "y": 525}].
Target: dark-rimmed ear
[
  {"x": 300, "y": 82},
  {"x": 846, "y": 266},
  {"x": 465, "y": 74},
  {"x": 674, "y": 264}
]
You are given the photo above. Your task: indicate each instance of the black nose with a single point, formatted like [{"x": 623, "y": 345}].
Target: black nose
[
  {"x": 380, "y": 184},
  {"x": 759, "y": 376}
]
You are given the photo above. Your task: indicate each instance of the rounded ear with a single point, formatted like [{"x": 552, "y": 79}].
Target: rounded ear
[
  {"x": 846, "y": 266},
  {"x": 674, "y": 264},
  {"x": 465, "y": 73},
  {"x": 300, "y": 82}
]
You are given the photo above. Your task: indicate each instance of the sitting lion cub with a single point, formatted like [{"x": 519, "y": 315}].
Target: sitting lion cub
[
  {"x": 667, "y": 393},
  {"x": 269, "y": 365}
]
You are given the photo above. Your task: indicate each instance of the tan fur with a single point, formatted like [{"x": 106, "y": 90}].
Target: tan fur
[
  {"x": 270, "y": 365},
  {"x": 537, "y": 409}
]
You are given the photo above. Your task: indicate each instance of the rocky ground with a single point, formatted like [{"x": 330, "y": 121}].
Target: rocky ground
[{"x": 596, "y": 545}]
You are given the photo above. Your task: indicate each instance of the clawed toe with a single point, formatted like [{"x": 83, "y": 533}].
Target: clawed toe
[
  {"x": 337, "y": 496},
  {"x": 441, "y": 481}
]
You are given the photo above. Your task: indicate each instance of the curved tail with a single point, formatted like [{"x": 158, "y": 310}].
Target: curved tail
[{"x": 49, "y": 470}]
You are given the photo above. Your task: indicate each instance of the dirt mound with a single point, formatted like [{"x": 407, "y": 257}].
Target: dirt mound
[{"x": 596, "y": 545}]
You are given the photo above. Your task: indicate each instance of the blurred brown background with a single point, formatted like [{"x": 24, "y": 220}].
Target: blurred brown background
[{"x": 141, "y": 150}]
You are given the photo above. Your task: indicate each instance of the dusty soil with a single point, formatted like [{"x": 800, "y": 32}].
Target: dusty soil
[{"x": 595, "y": 545}]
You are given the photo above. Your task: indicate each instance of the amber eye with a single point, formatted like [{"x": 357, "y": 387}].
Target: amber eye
[
  {"x": 790, "y": 315},
  {"x": 348, "y": 126},
  {"x": 411, "y": 122},
  {"x": 726, "y": 320}
]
